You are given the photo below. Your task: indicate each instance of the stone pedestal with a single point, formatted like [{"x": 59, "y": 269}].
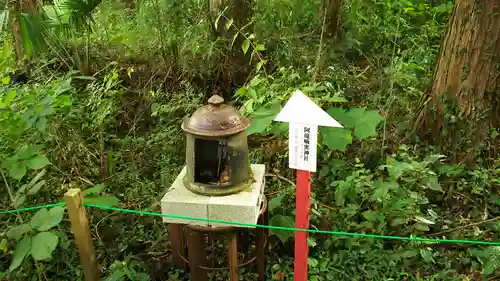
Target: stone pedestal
[{"x": 243, "y": 207}]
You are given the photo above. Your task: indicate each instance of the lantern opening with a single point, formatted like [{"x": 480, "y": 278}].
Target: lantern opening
[{"x": 211, "y": 165}]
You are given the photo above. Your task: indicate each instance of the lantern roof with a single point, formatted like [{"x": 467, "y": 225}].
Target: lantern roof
[{"x": 216, "y": 119}]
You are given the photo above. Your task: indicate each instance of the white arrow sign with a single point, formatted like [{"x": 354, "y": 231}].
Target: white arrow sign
[{"x": 304, "y": 117}]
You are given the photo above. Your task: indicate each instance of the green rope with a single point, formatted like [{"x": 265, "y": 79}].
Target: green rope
[
  {"x": 32, "y": 208},
  {"x": 337, "y": 233}
]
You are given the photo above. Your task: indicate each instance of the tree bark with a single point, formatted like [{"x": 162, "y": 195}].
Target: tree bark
[
  {"x": 332, "y": 10},
  {"x": 463, "y": 100}
]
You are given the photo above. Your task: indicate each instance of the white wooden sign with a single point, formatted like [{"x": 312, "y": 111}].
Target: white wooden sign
[
  {"x": 304, "y": 117},
  {"x": 302, "y": 144}
]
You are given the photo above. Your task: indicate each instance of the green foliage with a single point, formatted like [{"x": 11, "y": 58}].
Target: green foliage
[
  {"x": 40, "y": 245},
  {"x": 116, "y": 135},
  {"x": 363, "y": 122},
  {"x": 123, "y": 270},
  {"x": 22, "y": 250},
  {"x": 282, "y": 221},
  {"x": 44, "y": 220},
  {"x": 43, "y": 244}
]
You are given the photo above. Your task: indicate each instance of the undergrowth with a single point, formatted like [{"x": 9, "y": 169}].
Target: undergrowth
[{"x": 112, "y": 129}]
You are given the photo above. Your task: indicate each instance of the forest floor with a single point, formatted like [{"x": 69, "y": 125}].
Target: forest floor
[{"x": 107, "y": 120}]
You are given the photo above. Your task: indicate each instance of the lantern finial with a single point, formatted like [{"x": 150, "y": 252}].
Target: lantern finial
[{"x": 216, "y": 100}]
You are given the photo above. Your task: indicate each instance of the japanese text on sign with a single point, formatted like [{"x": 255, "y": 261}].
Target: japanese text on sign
[{"x": 302, "y": 142}]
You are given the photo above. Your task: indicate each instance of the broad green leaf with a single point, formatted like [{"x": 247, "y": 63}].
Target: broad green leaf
[
  {"x": 29, "y": 151},
  {"x": 450, "y": 169},
  {"x": 94, "y": 190},
  {"x": 432, "y": 182},
  {"x": 41, "y": 124},
  {"x": 398, "y": 221},
  {"x": 381, "y": 190},
  {"x": 37, "y": 162},
  {"x": 397, "y": 169},
  {"x": 18, "y": 231},
  {"x": 275, "y": 202},
  {"x": 364, "y": 122},
  {"x": 256, "y": 81},
  {"x": 108, "y": 201},
  {"x": 17, "y": 170},
  {"x": 245, "y": 45},
  {"x": 20, "y": 252},
  {"x": 136, "y": 276},
  {"x": 262, "y": 118},
  {"x": 43, "y": 244},
  {"x": 312, "y": 262},
  {"x": 336, "y": 164},
  {"x": 283, "y": 221},
  {"x": 367, "y": 125},
  {"x": 44, "y": 220},
  {"x": 341, "y": 115},
  {"x": 336, "y": 138}
]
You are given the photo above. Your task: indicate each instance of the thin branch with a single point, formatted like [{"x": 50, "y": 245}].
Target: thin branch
[
  {"x": 462, "y": 227},
  {"x": 320, "y": 49},
  {"x": 11, "y": 196},
  {"x": 281, "y": 178}
]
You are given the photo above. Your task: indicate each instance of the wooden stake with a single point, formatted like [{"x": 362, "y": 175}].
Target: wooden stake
[{"x": 81, "y": 230}]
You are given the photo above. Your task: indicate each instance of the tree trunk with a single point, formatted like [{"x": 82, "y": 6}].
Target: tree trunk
[
  {"x": 31, "y": 7},
  {"x": 463, "y": 101},
  {"x": 331, "y": 10}
]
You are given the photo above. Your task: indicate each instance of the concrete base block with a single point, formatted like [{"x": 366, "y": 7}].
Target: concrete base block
[{"x": 243, "y": 207}]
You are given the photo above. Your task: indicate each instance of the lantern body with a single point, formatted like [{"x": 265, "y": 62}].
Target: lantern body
[{"x": 217, "y": 150}]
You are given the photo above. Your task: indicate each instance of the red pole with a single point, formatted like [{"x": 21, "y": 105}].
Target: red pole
[{"x": 303, "y": 204}]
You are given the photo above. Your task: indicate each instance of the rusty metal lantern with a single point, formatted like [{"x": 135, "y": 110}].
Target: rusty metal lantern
[{"x": 217, "y": 150}]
